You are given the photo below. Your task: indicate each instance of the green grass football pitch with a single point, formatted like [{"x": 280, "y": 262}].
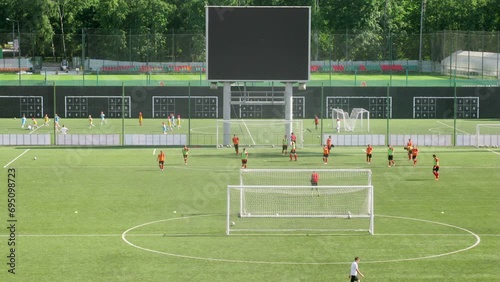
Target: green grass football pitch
[{"x": 109, "y": 214}]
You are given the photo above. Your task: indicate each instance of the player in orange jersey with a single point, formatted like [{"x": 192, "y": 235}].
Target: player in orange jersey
[
  {"x": 314, "y": 181},
  {"x": 140, "y": 118},
  {"x": 329, "y": 143},
  {"x": 161, "y": 160},
  {"x": 236, "y": 142},
  {"x": 409, "y": 147},
  {"x": 414, "y": 155},
  {"x": 435, "y": 168},
  {"x": 368, "y": 151},
  {"x": 326, "y": 152}
]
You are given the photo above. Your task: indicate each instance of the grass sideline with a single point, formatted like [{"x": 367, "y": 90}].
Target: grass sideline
[{"x": 73, "y": 206}]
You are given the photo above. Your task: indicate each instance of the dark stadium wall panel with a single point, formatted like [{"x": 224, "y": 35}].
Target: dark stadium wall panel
[{"x": 142, "y": 99}]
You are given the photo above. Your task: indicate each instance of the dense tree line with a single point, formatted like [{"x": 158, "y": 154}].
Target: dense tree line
[{"x": 62, "y": 25}]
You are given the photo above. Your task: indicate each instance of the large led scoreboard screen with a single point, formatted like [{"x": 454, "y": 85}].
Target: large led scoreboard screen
[{"x": 258, "y": 43}]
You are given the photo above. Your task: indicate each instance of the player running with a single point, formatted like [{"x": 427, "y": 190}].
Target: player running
[
  {"x": 64, "y": 130},
  {"x": 326, "y": 153},
  {"x": 409, "y": 148},
  {"x": 284, "y": 146},
  {"x": 185, "y": 152},
  {"x": 368, "y": 151},
  {"x": 161, "y": 160},
  {"x": 435, "y": 168},
  {"x": 91, "y": 122},
  {"x": 236, "y": 142},
  {"x": 414, "y": 155},
  {"x": 46, "y": 120},
  {"x": 103, "y": 118},
  {"x": 316, "y": 122},
  {"x": 293, "y": 152},
  {"x": 169, "y": 124},
  {"x": 164, "y": 127},
  {"x": 172, "y": 119},
  {"x": 56, "y": 122},
  {"x": 244, "y": 158},
  {"x": 23, "y": 121},
  {"x": 390, "y": 156},
  {"x": 178, "y": 121},
  {"x": 140, "y": 118},
  {"x": 35, "y": 123}
]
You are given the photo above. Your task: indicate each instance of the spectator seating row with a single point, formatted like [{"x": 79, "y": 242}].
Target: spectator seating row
[
  {"x": 149, "y": 69},
  {"x": 13, "y": 69}
]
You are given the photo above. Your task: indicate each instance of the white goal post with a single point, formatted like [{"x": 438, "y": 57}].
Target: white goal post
[
  {"x": 259, "y": 132},
  {"x": 350, "y": 122},
  {"x": 284, "y": 200},
  {"x": 299, "y": 209},
  {"x": 488, "y": 135}
]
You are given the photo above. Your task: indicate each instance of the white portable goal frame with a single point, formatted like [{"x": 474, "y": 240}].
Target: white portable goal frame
[
  {"x": 283, "y": 200},
  {"x": 489, "y": 139},
  {"x": 350, "y": 121}
]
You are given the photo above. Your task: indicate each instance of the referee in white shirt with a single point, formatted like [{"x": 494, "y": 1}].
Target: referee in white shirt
[{"x": 355, "y": 270}]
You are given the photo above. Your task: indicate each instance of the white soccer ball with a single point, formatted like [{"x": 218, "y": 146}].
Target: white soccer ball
[
  {"x": 232, "y": 223},
  {"x": 272, "y": 146},
  {"x": 34, "y": 158}
]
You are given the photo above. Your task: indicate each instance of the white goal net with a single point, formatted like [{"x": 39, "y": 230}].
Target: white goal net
[
  {"x": 258, "y": 132},
  {"x": 281, "y": 200},
  {"x": 358, "y": 120},
  {"x": 488, "y": 135}
]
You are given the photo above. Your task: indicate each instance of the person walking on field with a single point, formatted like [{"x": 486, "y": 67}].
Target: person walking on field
[
  {"x": 355, "y": 271},
  {"x": 435, "y": 167},
  {"x": 244, "y": 158},
  {"x": 236, "y": 142}
]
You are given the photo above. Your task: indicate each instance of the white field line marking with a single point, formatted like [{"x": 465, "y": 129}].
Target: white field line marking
[
  {"x": 493, "y": 152},
  {"x": 37, "y": 127},
  {"x": 154, "y": 151},
  {"x": 16, "y": 158},
  {"x": 452, "y": 127},
  {"x": 470, "y": 233}
]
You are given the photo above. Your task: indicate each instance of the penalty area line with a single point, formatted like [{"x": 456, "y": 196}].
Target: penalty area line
[{"x": 16, "y": 158}]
